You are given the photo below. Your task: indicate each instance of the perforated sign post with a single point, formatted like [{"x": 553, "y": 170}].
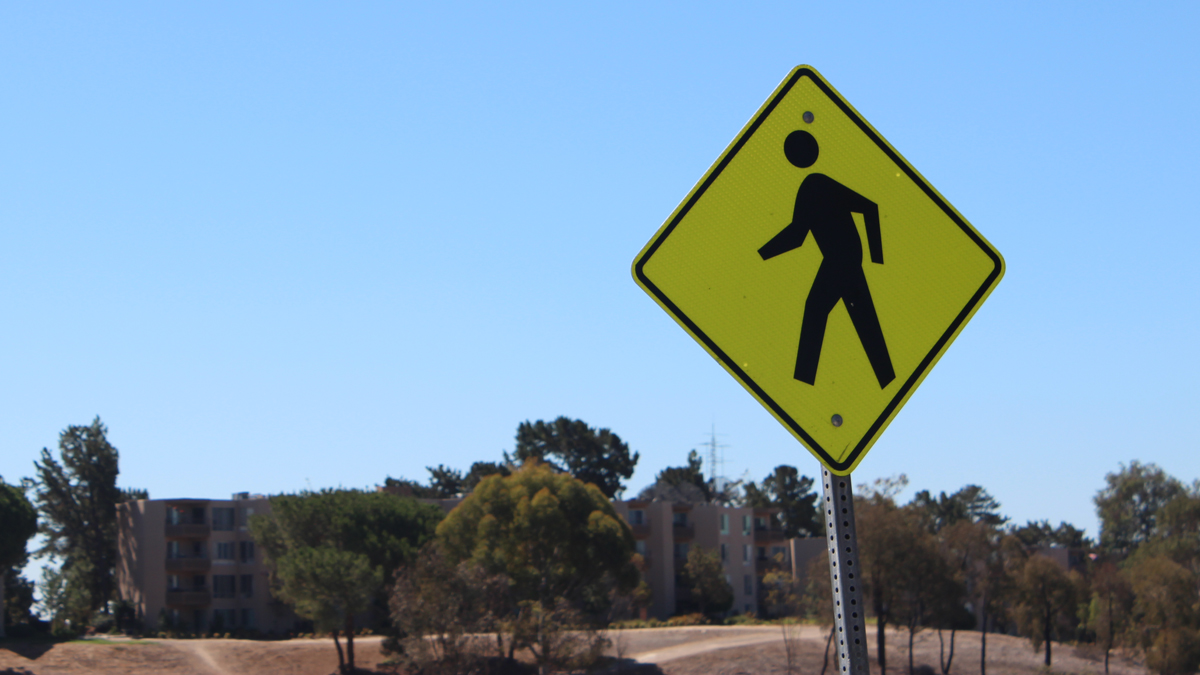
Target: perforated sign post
[{"x": 831, "y": 332}]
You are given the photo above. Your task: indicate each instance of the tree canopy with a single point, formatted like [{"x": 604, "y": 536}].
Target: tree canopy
[
  {"x": 331, "y": 551},
  {"x": 77, "y": 500},
  {"x": 18, "y": 522},
  {"x": 1129, "y": 503},
  {"x": 550, "y": 533},
  {"x": 793, "y": 494},
  {"x": 704, "y": 578},
  {"x": 596, "y": 456},
  {"x": 971, "y": 503}
]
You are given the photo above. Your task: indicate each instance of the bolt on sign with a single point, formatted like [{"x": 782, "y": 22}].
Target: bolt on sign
[{"x": 820, "y": 269}]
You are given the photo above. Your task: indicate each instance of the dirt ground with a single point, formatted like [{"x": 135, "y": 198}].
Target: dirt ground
[
  {"x": 1005, "y": 656},
  {"x": 755, "y": 650}
]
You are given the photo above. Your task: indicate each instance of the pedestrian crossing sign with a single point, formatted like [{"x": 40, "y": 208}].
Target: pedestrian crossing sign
[{"x": 820, "y": 269}]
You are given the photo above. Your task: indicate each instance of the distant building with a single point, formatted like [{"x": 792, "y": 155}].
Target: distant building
[
  {"x": 750, "y": 543},
  {"x": 193, "y": 563},
  {"x": 1069, "y": 558}
]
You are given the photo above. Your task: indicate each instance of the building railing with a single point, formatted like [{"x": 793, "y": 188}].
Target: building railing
[
  {"x": 687, "y": 531},
  {"x": 189, "y": 598},
  {"x": 191, "y": 564},
  {"x": 188, "y": 530},
  {"x": 641, "y": 531},
  {"x": 768, "y": 535}
]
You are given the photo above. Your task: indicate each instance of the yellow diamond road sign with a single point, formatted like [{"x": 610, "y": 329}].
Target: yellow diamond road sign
[{"x": 820, "y": 269}]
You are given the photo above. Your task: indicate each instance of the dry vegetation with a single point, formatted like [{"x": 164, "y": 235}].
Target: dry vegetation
[{"x": 755, "y": 651}]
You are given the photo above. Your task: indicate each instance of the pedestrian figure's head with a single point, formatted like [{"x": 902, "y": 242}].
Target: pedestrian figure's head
[{"x": 801, "y": 149}]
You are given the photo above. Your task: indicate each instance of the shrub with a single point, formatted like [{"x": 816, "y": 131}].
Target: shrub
[{"x": 694, "y": 619}]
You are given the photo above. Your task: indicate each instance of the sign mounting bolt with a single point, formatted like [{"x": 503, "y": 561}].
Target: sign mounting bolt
[{"x": 836, "y": 420}]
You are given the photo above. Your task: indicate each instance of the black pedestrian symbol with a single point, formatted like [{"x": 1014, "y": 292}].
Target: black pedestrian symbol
[{"x": 824, "y": 207}]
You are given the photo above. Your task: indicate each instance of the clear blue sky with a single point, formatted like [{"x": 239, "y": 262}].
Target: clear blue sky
[{"x": 286, "y": 245}]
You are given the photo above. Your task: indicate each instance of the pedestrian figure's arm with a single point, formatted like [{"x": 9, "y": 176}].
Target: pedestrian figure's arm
[
  {"x": 874, "y": 240},
  {"x": 792, "y": 237}
]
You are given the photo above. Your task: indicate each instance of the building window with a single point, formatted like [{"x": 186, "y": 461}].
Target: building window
[
  {"x": 746, "y": 548},
  {"x": 222, "y": 519},
  {"x": 198, "y": 515},
  {"x": 746, "y": 527},
  {"x": 779, "y": 551},
  {"x": 223, "y": 586},
  {"x": 724, "y": 523},
  {"x": 173, "y": 550},
  {"x": 248, "y": 618},
  {"x": 637, "y": 517},
  {"x": 198, "y": 582},
  {"x": 223, "y": 619},
  {"x": 681, "y": 550},
  {"x": 748, "y": 584},
  {"x": 247, "y": 551},
  {"x": 225, "y": 550},
  {"x": 247, "y": 585},
  {"x": 762, "y": 552},
  {"x": 640, "y": 547},
  {"x": 244, "y": 518},
  {"x": 679, "y": 519},
  {"x": 173, "y": 583},
  {"x": 724, "y": 553}
]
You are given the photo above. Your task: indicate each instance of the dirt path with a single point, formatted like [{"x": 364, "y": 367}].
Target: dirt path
[
  {"x": 201, "y": 650},
  {"x": 710, "y": 639}
]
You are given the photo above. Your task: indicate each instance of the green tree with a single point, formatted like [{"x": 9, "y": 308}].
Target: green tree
[
  {"x": 1128, "y": 505},
  {"x": 557, "y": 539},
  {"x": 1041, "y": 533},
  {"x": 1165, "y": 620},
  {"x": 18, "y": 522},
  {"x": 481, "y": 470},
  {"x": 596, "y": 456},
  {"x": 410, "y": 488},
  {"x": 926, "y": 591},
  {"x": 1111, "y": 604},
  {"x": 974, "y": 549},
  {"x": 367, "y": 535},
  {"x": 328, "y": 586},
  {"x": 793, "y": 494},
  {"x": 681, "y": 483},
  {"x": 885, "y": 532},
  {"x": 445, "y": 481},
  {"x": 704, "y": 577},
  {"x": 971, "y": 503},
  {"x": 1045, "y": 597},
  {"x": 77, "y": 500}
]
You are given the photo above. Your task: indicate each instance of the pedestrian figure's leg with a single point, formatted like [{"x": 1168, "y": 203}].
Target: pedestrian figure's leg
[
  {"x": 825, "y": 292},
  {"x": 861, "y": 308}
]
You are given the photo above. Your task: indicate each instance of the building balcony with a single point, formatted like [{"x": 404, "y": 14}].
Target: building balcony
[
  {"x": 640, "y": 531},
  {"x": 766, "y": 536},
  {"x": 683, "y": 532},
  {"x": 195, "y": 598},
  {"x": 188, "y": 531},
  {"x": 188, "y": 565}
]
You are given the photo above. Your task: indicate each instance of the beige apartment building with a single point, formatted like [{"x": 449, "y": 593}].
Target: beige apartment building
[
  {"x": 750, "y": 543},
  {"x": 194, "y": 563}
]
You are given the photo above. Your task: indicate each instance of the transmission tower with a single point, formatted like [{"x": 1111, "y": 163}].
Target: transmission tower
[{"x": 716, "y": 459}]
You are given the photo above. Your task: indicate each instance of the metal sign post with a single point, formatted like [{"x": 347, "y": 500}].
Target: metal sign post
[{"x": 845, "y": 572}]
